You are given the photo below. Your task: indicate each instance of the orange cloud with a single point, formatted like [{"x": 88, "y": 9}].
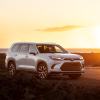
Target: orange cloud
[{"x": 57, "y": 29}]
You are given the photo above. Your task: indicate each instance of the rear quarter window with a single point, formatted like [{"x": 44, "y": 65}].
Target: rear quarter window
[
  {"x": 15, "y": 48},
  {"x": 24, "y": 48}
]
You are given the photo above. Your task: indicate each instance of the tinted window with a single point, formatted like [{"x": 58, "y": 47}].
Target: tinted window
[
  {"x": 57, "y": 49},
  {"x": 40, "y": 48},
  {"x": 50, "y": 49},
  {"x": 24, "y": 48}
]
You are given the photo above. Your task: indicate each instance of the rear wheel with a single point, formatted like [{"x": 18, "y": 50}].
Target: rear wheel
[
  {"x": 74, "y": 76},
  {"x": 11, "y": 69},
  {"x": 42, "y": 71}
]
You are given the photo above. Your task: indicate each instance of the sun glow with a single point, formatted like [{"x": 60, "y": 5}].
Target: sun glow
[{"x": 96, "y": 34}]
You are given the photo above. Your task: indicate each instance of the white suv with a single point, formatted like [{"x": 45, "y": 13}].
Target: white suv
[{"x": 43, "y": 58}]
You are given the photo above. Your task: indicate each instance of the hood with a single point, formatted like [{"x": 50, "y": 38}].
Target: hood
[{"x": 65, "y": 56}]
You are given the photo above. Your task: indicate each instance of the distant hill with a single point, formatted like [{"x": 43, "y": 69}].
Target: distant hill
[
  {"x": 3, "y": 50},
  {"x": 83, "y": 50}
]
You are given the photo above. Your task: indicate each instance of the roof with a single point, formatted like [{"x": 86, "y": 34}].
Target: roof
[{"x": 35, "y": 43}]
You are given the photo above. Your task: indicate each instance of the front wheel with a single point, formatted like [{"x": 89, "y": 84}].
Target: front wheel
[
  {"x": 11, "y": 69},
  {"x": 42, "y": 71},
  {"x": 74, "y": 76}
]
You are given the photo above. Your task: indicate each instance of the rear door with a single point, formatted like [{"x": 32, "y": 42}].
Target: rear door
[{"x": 22, "y": 56}]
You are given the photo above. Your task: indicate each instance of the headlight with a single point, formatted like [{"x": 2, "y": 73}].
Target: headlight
[
  {"x": 56, "y": 58},
  {"x": 81, "y": 58}
]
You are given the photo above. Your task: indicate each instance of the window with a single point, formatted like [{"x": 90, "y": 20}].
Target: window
[
  {"x": 15, "y": 48},
  {"x": 59, "y": 50},
  {"x": 40, "y": 48},
  {"x": 32, "y": 48},
  {"x": 24, "y": 48},
  {"x": 50, "y": 49}
]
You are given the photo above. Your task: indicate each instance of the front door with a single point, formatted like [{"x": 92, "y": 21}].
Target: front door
[{"x": 32, "y": 58}]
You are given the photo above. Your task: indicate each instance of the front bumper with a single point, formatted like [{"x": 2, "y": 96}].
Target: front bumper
[
  {"x": 68, "y": 72},
  {"x": 71, "y": 67}
]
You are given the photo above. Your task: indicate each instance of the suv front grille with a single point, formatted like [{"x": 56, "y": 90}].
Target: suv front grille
[{"x": 71, "y": 66}]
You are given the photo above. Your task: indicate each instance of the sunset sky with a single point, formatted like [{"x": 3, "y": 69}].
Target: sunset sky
[{"x": 70, "y": 23}]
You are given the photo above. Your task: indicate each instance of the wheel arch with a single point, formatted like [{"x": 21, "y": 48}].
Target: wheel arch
[
  {"x": 11, "y": 60},
  {"x": 41, "y": 61}
]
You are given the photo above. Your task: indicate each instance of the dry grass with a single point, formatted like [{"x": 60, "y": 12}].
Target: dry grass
[{"x": 24, "y": 87}]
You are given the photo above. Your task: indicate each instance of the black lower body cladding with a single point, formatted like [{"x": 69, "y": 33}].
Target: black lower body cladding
[{"x": 71, "y": 66}]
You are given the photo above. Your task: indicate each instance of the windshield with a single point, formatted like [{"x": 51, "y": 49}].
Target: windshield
[{"x": 50, "y": 49}]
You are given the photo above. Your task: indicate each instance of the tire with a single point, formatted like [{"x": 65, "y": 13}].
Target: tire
[
  {"x": 11, "y": 69},
  {"x": 74, "y": 76},
  {"x": 42, "y": 71}
]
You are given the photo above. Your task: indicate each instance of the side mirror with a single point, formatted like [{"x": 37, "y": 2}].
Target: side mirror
[{"x": 33, "y": 53}]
